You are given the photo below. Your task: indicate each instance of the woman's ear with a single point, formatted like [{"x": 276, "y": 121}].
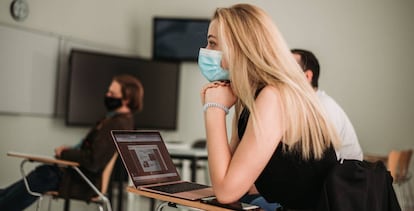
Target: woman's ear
[
  {"x": 309, "y": 75},
  {"x": 125, "y": 102}
]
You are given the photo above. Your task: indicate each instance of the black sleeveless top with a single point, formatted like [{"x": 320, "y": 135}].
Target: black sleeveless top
[{"x": 288, "y": 179}]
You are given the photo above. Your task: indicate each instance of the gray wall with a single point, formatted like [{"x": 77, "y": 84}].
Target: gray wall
[{"x": 364, "y": 47}]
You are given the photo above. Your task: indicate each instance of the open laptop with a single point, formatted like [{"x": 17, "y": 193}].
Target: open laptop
[{"x": 150, "y": 167}]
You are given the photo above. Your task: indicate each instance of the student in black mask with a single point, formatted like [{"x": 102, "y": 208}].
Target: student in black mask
[{"x": 123, "y": 98}]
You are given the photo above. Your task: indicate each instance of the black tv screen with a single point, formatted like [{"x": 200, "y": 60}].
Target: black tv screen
[
  {"x": 90, "y": 74},
  {"x": 178, "y": 39}
]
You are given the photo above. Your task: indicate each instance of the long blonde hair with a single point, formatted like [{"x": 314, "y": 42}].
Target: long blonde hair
[{"x": 258, "y": 56}]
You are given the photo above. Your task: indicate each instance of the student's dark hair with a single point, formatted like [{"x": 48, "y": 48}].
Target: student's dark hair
[
  {"x": 132, "y": 89},
  {"x": 308, "y": 61}
]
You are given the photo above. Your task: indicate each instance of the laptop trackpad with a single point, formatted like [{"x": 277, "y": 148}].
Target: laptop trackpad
[{"x": 196, "y": 194}]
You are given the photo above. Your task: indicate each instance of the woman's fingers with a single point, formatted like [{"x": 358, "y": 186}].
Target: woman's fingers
[
  {"x": 214, "y": 84},
  {"x": 210, "y": 85}
]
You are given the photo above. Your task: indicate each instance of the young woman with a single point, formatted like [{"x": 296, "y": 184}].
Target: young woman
[{"x": 281, "y": 143}]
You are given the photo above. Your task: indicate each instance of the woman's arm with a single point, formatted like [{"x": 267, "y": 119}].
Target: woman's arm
[{"x": 233, "y": 175}]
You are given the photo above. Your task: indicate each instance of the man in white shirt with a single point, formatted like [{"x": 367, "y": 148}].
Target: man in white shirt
[{"x": 350, "y": 147}]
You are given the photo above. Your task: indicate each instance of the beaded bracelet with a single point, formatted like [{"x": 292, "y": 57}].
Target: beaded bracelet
[{"x": 208, "y": 105}]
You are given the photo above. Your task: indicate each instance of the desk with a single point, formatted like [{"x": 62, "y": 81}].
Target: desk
[
  {"x": 53, "y": 161},
  {"x": 193, "y": 155},
  {"x": 42, "y": 159},
  {"x": 174, "y": 200},
  {"x": 180, "y": 151}
]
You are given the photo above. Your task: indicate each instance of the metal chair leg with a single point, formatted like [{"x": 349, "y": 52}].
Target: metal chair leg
[
  {"x": 39, "y": 201},
  {"x": 26, "y": 183},
  {"x": 161, "y": 206},
  {"x": 100, "y": 207},
  {"x": 67, "y": 205},
  {"x": 49, "y": 206}
]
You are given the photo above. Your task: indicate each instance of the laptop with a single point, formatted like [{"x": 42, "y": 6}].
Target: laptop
[{"x": 150, "y": 167}]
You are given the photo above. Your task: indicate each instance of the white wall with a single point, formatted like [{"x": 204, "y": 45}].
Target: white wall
[{"x": 365, "y": 49}]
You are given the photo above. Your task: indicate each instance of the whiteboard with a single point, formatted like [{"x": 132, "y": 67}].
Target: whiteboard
[
  {"x": 34, "y": 69},
  {"x": 28, "y": 71}
]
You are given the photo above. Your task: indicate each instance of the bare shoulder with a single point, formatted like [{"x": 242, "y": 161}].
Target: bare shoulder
[
  {"x": 268, "y": 93},
  {"x": 268, "y": 102}
]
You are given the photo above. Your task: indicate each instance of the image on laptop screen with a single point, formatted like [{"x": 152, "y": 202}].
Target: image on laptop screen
[{"x": 146, "y": 157}]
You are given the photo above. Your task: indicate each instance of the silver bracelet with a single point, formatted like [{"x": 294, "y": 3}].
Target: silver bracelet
[{"x": 217, "y": 105}]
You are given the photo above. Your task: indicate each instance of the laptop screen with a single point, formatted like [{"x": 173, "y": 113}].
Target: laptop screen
[{"x": 145, "y": 156}]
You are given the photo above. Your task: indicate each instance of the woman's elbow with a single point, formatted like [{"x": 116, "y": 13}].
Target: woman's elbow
[{"x": 226, "y": 198}]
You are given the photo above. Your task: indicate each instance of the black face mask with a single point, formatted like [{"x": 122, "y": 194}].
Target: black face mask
[{"x": 112, "y": 103}]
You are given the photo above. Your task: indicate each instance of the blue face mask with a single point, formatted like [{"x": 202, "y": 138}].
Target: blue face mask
[{"x": 209, "y": 62}]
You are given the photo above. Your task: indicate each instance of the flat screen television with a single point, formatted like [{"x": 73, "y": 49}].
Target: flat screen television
[
  {"x": 90, "y": 74},
  {"x": 178, "y": 39}
]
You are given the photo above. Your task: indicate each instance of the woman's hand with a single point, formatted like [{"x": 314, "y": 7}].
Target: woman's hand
[
  {"x": 218, "y": 92},
  {"x": 59, "y": 150}
]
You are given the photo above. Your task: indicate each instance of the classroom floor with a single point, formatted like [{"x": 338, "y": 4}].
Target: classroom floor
[{"x": 134, "y": 203}]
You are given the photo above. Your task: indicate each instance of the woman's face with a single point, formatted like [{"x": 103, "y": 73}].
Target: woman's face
[{"x": 213, "y": 41}]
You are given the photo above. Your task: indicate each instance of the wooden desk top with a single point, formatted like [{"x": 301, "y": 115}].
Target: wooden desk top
[
  {"x": 42, "y": 158},
  {"x": 178, "y": 201}
]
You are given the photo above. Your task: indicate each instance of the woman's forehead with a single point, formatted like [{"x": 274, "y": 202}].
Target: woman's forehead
[
  {"x": 115, "y": 87},
  {"x": 212, "y": 29}
]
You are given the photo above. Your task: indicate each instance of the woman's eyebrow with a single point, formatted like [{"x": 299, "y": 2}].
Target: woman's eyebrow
[{"x": 211, "y": 36}]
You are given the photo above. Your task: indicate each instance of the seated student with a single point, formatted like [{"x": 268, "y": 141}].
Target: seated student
[
  {"x": 350, "y": 147},
  {"x": 123, "y": 98},
  {"x": 281, "y": 140}
]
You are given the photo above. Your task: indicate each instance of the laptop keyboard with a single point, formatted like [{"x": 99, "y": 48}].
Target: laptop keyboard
[{"x": 178, "y": 187}]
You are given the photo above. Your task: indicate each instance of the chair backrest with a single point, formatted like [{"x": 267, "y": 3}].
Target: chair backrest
[
  {"x": 398, "y": 164},
  {"x": 358, "y": 185},
  {"x": 106, "y": 174}
]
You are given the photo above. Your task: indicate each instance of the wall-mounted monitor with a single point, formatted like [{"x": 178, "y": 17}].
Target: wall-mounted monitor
[
  {"x": 90, "y": 74},
  {"x": 178, "y": 39}
]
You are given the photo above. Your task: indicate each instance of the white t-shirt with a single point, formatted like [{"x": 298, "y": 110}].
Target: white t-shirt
[{"x": 350, "y": 148}]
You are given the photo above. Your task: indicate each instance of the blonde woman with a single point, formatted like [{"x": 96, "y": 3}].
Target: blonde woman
[{"x": 281, "y": 142}]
